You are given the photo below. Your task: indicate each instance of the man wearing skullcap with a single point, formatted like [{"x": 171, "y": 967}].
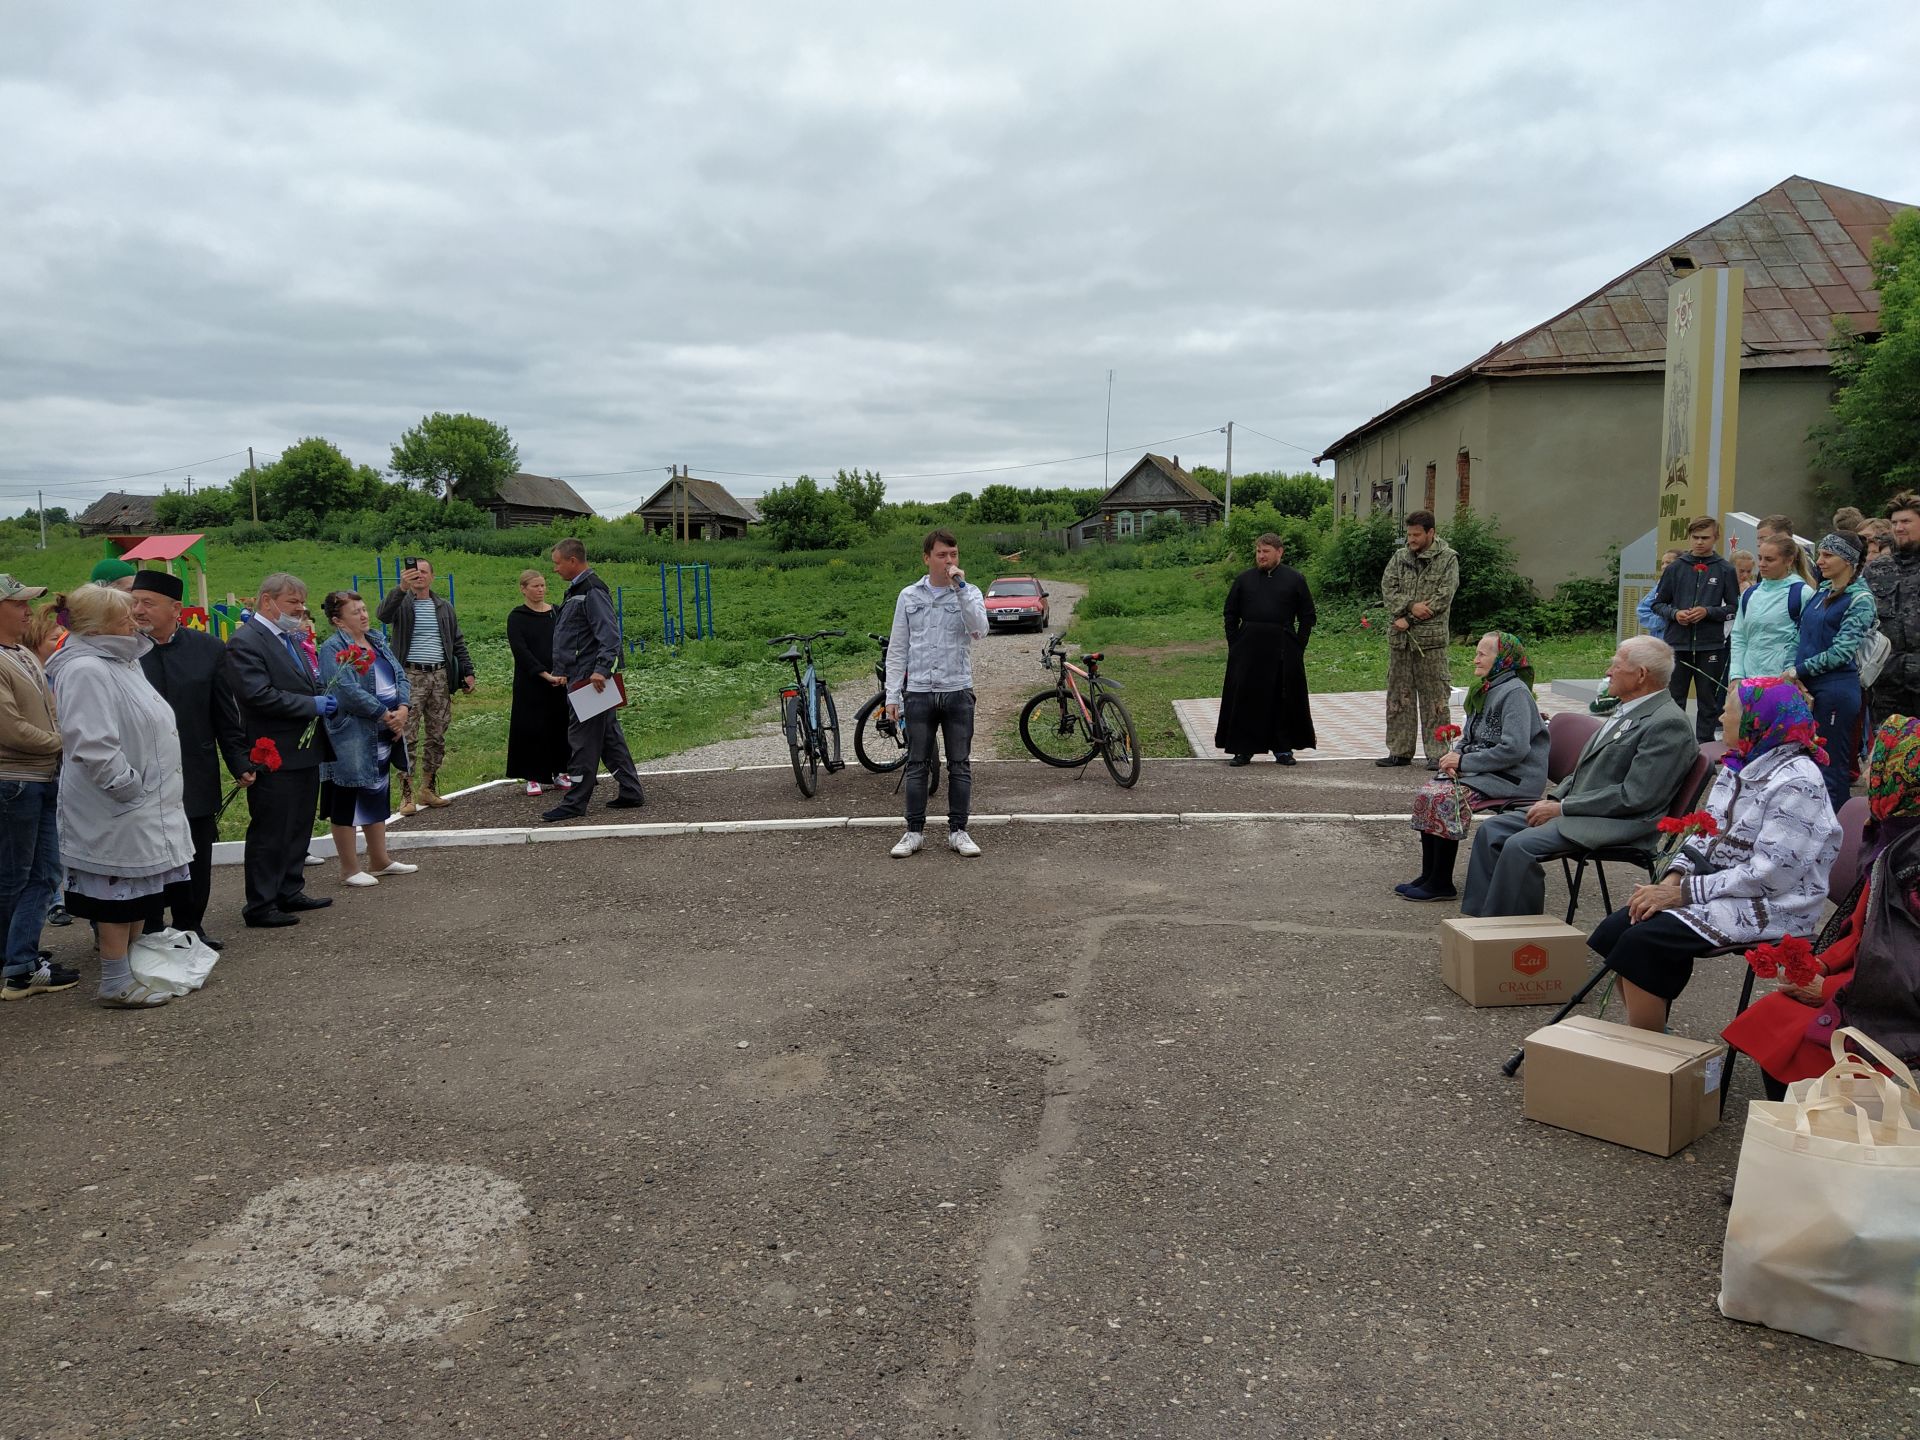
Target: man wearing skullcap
[{"x": 188, "y": 668}]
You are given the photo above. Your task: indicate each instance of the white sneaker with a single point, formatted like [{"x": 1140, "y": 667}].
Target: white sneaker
[
  {"x": 961, "y": 843},
  {"x": 910, "y": 844},
  {"x": 533, "y": 787},
  {"x": 313, "y": 859},
  {"x": 397, "y": 867},
  {"x": 360, "y": 878}
]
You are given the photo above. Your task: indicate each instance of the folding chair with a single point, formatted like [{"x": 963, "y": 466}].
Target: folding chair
[
  {"x": 1840, "y": 882},
  {"x": 1574, "y": 866}
]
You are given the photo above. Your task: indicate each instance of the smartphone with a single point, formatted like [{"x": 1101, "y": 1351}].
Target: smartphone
[{"x": 410, "y": 562}]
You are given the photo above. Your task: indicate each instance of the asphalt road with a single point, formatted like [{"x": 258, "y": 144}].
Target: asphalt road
[{"x": 1126, "y": 1130}]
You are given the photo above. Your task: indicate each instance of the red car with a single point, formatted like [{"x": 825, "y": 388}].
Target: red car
[{"x": 1017, "y": 600}]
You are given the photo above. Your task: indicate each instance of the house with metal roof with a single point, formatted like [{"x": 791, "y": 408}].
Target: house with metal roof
[
  {"x": 697, "y": 509},
  {"x": 535, "y": 500},
  {"x": 1557, "y": 432},
  {"x": 1154, "y": 487}
]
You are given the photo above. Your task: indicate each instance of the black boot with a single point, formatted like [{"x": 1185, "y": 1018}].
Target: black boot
[
  {"x": 1426, "y": 867},
  {"x": 1437, "y": 883}
]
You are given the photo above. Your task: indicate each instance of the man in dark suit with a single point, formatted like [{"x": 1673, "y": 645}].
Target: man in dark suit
[
  {"x": 280, "y": 695},
  {"x": 1616, "y": 795},
  {"x": 189, "y": 669},
  {"x": 586, "y": 649}
]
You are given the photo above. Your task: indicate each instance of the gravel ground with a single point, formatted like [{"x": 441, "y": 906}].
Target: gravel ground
[
  {"x": 1135, "y": 1131},
  {"x": 1006, "y": 669}
]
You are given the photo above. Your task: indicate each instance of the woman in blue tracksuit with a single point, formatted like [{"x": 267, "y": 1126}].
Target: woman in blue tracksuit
[{"x": 1832, "y": 627}]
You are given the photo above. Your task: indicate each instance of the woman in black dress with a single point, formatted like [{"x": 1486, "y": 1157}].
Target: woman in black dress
[{"x": 537, "y": 749}]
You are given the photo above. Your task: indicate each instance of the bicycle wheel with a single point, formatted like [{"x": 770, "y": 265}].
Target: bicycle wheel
[
  {"x": 882, "y": 754},
  {"x": 827, "y": 734},
  {"x": 1118, "y": 745},
  {"x": 800, "y": 745},
  {"x": 1052, "y": 727}
]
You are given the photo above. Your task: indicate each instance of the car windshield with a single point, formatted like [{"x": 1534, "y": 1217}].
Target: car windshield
[{"x": 1013, "y": 587}]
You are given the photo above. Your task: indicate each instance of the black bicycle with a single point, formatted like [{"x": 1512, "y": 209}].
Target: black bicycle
[
  {"x": 1067, "y": 726},
  {"x": 807, "y": 714},
  {"x": 880, "y": 744}
]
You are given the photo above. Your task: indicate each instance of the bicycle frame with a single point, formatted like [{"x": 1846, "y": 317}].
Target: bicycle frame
[
  {"x": 807, "y": 681},
  {"x": 1090, "y": 672}
]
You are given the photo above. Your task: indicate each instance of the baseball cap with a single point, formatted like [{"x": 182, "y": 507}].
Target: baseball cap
[{"x": 12, "y": 589}]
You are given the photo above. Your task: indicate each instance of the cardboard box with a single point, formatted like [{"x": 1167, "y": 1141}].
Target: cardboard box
[
  {"x": 1513, "y": 960},
  {"x": 1639, "y": 1088}
]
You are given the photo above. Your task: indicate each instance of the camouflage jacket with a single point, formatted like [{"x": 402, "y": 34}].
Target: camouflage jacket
[
  {"x": 1430, "y": 577},
  {"x": 1895, "y": 582}
]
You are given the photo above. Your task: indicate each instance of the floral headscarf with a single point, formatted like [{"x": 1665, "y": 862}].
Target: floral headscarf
[
  {"x": 1893, "y": 773},
  {"x": 1772, "y": 713},
  {"x": 1511, "y": 659}
]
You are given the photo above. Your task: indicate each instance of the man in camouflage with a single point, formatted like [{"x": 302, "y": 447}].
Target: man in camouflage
[
  {"x": 1895, "y": 582},
  {"x": 1418, "y": 589}
]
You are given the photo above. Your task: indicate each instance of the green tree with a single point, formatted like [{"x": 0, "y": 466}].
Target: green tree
[
  {"x": 999, "y": 505},
  {"x": 802, "y": 516},
  {"x": 862, "y": 493},
  {"x": 457, "y": 456},
  {"x": 205, "y": 509},
  {"x": 311, "y": 477},
  {"x": 1872, "y": 434}
]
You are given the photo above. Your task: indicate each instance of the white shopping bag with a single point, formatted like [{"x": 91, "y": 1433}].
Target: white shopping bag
[
  {"x": 172, "y": 960},
  {"x": 1824, "y": 1236}
]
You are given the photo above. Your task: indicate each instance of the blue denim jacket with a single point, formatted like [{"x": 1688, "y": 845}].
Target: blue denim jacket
[
  {"x": 932, "y": 630},
  {"x": 355, "y": 726}
]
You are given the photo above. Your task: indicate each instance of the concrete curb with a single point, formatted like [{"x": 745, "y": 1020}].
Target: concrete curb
[{"x": 229, "y": 852}]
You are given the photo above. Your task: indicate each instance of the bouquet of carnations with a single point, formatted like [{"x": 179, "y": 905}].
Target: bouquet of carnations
[
  {"x": 1792, "y": 958},
  {"x": 358, "y": 659},
  {"x": 265, "y": 755}
]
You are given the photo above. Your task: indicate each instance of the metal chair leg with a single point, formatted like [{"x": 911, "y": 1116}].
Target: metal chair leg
[
  {"x": 1575, "y": 876},
  {"x": 1606, "y": 896},
  {"x": 1514, "y": 1062},
  {"x": 1726, "y": 1075}
]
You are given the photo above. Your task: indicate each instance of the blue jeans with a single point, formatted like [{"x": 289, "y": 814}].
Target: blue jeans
[
  {"x": 952, "y": 712},
  {"x": 29, "y": 867},
  {"x": 1836, "y": 711}
]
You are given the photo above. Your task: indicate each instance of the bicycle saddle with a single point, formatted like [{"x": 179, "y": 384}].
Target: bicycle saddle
[{"x": 792, "y": 652}]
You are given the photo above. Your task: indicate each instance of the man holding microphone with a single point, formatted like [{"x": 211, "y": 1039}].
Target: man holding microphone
[{"x": 930, "y": 677}]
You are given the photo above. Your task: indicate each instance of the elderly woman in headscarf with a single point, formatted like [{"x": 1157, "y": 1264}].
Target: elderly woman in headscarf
[
  {"x": 1833, "y": 626},
  {"x": 1869, "y": 953},
  {"x": 1500, "y": 757},
  {"x": 1758, "y": 872}
]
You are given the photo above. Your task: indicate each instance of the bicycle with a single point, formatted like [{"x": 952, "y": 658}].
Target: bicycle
[
  {"x": 880, "y": 744},
  {"x": 807, "y": 714},
  {"x": 1066, "y": 728}
]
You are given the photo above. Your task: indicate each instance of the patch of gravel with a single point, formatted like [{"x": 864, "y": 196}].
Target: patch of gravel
[{"x": 1006, "y": 670}]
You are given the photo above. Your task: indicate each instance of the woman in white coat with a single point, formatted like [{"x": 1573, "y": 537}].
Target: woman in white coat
[
  {"x": 123, "y": 831},
  {"x": 1762, "y": 875}
]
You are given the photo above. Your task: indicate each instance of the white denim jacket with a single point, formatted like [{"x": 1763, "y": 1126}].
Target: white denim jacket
[{"x": 933, "y": 629}]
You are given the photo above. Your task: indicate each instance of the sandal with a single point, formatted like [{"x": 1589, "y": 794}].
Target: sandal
[{"x": 137, "y": 996}]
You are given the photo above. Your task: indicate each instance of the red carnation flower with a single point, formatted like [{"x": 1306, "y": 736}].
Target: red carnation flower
[
  {"x": 1702, "y": 569},
  {"x": 1698, "y": 823},
  {"x": 1446, "y": 733},
  {"x": 1792, "y": 957},
  {"x": 265, "y": 754}
]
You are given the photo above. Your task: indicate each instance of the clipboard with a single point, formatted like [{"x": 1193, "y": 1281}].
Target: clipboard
[{"x": 588, "y": 702}]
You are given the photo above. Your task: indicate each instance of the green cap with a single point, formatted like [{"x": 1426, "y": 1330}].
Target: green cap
[
  {"x": 12, "y": 589},
  {"x": 108, "y": 571}
]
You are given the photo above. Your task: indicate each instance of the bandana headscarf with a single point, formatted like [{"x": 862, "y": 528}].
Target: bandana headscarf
[
  {"x": 1511, "y": 659},
  {"x": 1893, "y": 773},
  {"x": 1847, "y": 547},
  {"x": 1772, "y": 713}
]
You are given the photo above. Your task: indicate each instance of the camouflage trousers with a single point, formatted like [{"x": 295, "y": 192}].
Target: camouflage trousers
[
  {"x": 1417, "y": 680},
  {"x": 431, "y": 708}
]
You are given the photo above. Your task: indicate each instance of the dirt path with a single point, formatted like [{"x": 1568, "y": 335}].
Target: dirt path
[{"x": 1006, "y": 669}]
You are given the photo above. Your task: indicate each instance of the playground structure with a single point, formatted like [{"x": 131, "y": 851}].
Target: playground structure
[
  {"x": 164, "y": 551},
  {"x": 674, "y": 626}
]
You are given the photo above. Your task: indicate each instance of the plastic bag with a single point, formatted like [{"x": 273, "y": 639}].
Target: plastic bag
[{"x": 172, "y": 960}]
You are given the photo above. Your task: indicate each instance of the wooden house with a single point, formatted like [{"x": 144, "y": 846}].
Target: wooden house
[
  {"x": 697, "y": 509},
  {"x": 1154, "y": 487},
  {"x": 535, "y": 500},
  {"x": 116, "y": 513}
]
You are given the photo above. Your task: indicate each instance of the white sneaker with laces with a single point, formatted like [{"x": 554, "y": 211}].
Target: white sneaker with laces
[
  {"x": 533, "y": 788},
  {"x": 909, "y": 844},
  {"x": 961, "y": 843}
]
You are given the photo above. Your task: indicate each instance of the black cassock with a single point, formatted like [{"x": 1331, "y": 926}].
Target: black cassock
[{"x": 1263, "y": 705}]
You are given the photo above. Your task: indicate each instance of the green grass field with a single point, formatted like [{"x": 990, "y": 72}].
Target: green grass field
[{"x": 1160, "y": 629}]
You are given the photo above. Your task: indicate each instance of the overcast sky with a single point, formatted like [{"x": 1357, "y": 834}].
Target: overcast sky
[{"x": 771, "y": 238}]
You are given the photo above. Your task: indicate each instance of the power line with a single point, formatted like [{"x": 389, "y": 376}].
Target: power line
[
  {"x": 141, "y": 475},
  {"x": 604, "y": 474},
  {"x": 1303, "y": 449}
]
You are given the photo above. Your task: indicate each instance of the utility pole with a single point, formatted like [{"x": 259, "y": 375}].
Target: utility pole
[
  {"x": 41, "y": 496},
  {"x": 1229, "y": 513},
  {"x": 1106, "y": 445},
  {"x": 253, "y": 485}
]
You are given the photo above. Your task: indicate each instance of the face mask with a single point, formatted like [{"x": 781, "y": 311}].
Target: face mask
[{"x": 291, "y": 624}]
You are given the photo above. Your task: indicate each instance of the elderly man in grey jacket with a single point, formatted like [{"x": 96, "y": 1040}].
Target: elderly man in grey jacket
[{"x": 1616, "y": 795}]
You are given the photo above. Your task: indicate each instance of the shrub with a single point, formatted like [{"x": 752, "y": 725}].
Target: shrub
[{"x": 1355, "y": 556}]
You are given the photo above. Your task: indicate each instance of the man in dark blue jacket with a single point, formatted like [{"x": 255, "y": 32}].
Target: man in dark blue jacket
[
  {"x": 1696, "y": 598},
  {"x": 586, "y": 649}
]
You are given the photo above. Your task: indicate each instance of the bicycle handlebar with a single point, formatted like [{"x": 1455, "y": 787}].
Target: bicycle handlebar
[{"x": 802, "y": 639}]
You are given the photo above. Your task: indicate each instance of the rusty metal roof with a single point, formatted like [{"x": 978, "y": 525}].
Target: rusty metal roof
[{"x": 1804, "y": 246}]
